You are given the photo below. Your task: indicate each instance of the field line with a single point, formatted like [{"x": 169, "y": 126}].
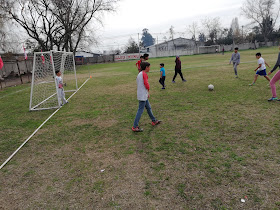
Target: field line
[{"x": 39, "y": 128}]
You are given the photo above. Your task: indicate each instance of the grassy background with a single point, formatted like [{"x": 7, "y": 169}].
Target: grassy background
[{"x": 212, "y": 149}]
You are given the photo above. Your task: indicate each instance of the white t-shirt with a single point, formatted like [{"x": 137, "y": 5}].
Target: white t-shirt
[
  {"x": 142, "y": 91},
  {"x": 59, "y": 82},
  {"x": 261, "y": 61}
]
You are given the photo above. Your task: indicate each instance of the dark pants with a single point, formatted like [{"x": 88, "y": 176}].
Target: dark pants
[
  {"x": 161, "y": 81},
  {"x": 178, "y": 71}
]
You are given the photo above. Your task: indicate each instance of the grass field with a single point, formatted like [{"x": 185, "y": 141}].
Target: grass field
[{"x": 211, "y": 150}]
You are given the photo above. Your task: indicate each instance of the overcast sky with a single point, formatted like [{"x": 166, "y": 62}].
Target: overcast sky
[{"x": 158, "y": 15}]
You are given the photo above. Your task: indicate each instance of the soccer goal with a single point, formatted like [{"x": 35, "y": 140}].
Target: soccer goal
[
  {"x": 43, "y": 87},
  {"x": 209, "y": 49}
]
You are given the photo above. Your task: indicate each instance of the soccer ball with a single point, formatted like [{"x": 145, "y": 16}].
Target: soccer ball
[{"x": 210, "y": 87}]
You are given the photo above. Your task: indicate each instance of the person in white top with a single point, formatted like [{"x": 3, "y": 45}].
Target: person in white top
[
  {"x": 61, "y": 94},
  {"x": 143, "y": 88},
  {"x": 261, "y": 70}
]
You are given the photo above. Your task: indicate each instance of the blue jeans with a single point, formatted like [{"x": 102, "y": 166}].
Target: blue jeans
[{"x": 142, "y": 105}]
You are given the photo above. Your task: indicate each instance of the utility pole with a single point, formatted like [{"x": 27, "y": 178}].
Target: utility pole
[
  {"x": 139, "y": 45},
  {"x": 157, "y": 47}
]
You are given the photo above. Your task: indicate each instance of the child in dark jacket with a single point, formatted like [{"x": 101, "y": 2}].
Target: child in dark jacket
[{"x": 178, "y": 69}]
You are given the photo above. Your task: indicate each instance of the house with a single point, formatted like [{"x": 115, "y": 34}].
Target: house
[
  {"x": 178, "y": 46},
  {"x": 81, "y": 57}
]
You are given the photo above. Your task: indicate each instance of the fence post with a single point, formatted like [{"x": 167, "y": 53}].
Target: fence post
[
  {"x": 27, "y": 70},
  {"x": 19, "y": 73}
]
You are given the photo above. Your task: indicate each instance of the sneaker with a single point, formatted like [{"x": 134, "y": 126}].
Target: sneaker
[
  {"x": 273, "y": 99},
  {"x": 156, "y": 122},
  {"x": 251, "y": 84},
  {"x": 163, "y": 88},
  {"x": 173, "y": 81},
  {"x": 137, "y": 129},
  {"x": 184, "y": 80}
]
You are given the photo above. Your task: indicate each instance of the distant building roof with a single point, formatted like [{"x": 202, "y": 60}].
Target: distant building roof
[{"x": 82, "y": 51}]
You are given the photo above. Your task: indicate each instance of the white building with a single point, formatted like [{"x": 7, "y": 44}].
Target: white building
[{"x": 179, "y": 46}]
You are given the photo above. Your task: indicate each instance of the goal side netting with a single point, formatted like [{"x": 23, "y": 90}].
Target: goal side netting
[{"x": 43, "y": 87}]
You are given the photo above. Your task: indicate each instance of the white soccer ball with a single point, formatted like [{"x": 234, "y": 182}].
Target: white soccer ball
[{"x": 210, "y": 87}]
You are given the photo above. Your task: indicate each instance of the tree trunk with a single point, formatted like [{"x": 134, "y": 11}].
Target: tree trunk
[{"x": 265, "y": 39}]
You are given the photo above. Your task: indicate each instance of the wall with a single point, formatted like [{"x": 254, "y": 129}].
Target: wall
[
  {"x": 179, "y": 46},
  {"x": 167, "y": 49},
  {"x": 125, "y": 57}
]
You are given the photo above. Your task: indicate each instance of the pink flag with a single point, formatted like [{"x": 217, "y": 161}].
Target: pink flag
[
  {"x": 43, "y": 58},
  {"x": 25, "y": 54},
  {"x": 1, "y": 63}
]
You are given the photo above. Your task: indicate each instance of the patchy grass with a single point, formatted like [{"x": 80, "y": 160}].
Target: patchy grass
[{"x": 212, "y": 149}]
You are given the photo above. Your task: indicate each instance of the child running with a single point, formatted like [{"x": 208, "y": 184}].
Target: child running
[
  {"x": 261, "y": 70},
  {"x": 162, "y": 75},
  {"x": 61, "y": 93},
  {"x": 274, "y": 79},
  {"x": 145, "y": 57},
  {"x": 143, "y": 88},
  {"x": 138, "y": 64},
  {"x": 235, "y": 59}
]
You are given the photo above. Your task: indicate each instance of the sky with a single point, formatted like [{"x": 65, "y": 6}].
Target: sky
[{"x": 132, "y": 16}]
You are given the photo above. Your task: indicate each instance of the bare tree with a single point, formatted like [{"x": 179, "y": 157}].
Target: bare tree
[
  {"x": 235, "y": 27},
  {"x": 213, "y": 28},
  {"x": 262, "y": 12},
  {"x": 60, "y": 23},
  {"x": 9, "y": 40},
  {"x": 3, "y": 33},
  {"x": 171, "y": 33},
  {"x": 235, "y": 30},
  {"x": 193, "y": 30},
  {"x": 171, "y": 36}
]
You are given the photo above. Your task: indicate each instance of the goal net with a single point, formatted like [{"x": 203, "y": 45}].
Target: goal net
[
  {"x": 209, "y": 49},
  {"x": 44, "y": 88}
]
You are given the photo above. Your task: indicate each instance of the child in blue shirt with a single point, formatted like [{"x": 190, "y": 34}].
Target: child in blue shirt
[{"x": 162, "y": 75}]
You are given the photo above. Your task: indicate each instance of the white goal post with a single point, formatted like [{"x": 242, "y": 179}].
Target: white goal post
[
  {"x": 209, "y": 49},
  {"x": 44, "y": 90}
]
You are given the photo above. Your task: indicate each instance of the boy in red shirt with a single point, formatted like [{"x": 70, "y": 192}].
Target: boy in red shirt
[
  {"x": 138, "y": 64},
  {"x": 143, "y": 88}
]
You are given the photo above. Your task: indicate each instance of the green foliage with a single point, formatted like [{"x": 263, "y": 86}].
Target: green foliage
[
  {"x": 147, "y": 39},
  {"x": 132, "y": 46}
]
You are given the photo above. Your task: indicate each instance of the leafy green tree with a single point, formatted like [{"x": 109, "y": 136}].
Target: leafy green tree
[
  {"x": 201, "y": 37},
  {"x": 132, "y": 46},
  {"x": 147, "y": 39}
]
